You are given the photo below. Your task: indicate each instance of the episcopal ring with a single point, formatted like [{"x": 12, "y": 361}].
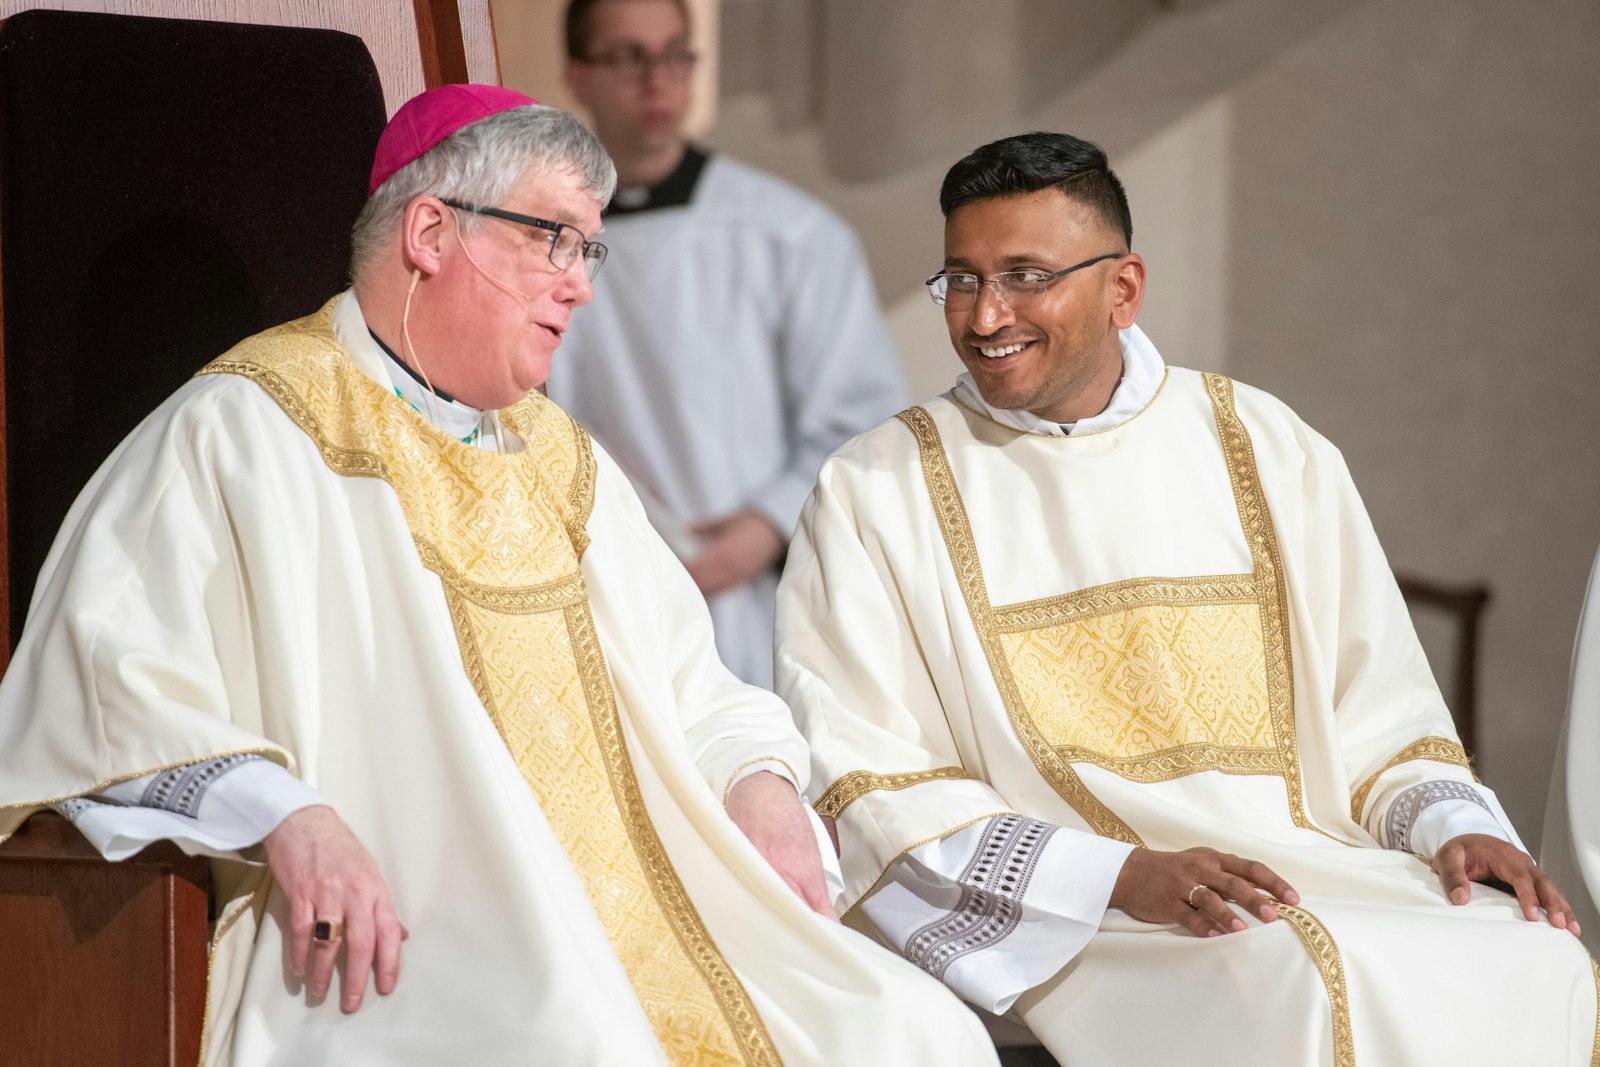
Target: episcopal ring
[
  {"x": 1190, "y": 898},
  {"x": 327, "y": 931}
]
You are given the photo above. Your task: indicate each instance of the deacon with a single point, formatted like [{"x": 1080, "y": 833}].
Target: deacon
[
  {"x": 739, "y": 340},
  {"x": 1119, "y": 710},
  {"x": 358, "y": 593}
]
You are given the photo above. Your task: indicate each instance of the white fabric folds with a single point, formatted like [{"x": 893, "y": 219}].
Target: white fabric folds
[{"x": 1175, "y": 631}]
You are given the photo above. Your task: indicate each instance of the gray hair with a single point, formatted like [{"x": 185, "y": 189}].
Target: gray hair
[{"x": 480, "y": 164}]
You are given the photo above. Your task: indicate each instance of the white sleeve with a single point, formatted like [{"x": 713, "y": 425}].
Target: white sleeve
[
  {"x": 1423, "y": 818},
  {"x": 996, "y": 908},
  {"x": 211, "y": 808}
]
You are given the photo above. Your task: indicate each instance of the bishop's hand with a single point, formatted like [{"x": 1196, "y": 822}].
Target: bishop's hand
[
  {"x": 766, "y": 807},
  {"x": 1192, "y": 888},
  {"x": 329, "y": 878}
]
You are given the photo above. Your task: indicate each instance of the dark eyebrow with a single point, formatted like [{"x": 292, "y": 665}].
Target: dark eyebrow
[{"x": 1012, "y": 262}]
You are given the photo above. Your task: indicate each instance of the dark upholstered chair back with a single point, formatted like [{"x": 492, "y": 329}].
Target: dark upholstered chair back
[{"x": 166, "y": 188}]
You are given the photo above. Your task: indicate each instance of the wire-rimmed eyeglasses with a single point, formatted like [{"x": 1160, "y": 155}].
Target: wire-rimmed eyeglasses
[
  {"x": 634, "y": 62},
  {"x": 960, "y": 289},
  {"x": 566, "y": 241}
]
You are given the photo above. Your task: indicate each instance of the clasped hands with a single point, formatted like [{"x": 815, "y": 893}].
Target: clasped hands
[{"x": 1193, "y": 888}]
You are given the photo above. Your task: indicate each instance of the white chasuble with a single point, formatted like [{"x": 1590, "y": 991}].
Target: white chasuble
[
  {"x": 1176, "y": 632},
  {"x": 286, "y": 559}
]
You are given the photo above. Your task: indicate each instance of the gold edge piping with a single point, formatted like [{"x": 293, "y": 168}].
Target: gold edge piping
[
  {"x": 1594, "y": 1057},
  {"x": 873, "y": 888},
  {"x": 851, "y": 787},
  {"x": 751, "y": 763},
  {"x": 956, "y": 530},
  {"x": 581, "y": 493},
  {"x": 1114, "y": 596},
  {"x": 1324, "y": 953},
  {"x": 224, "y": 924},
  {"x": 1256, "y": 519},
  {"x": 746, "y": 1024},
  {"x": 1434, "y": 748}
]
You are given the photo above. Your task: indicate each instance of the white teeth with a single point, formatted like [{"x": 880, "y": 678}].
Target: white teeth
[{"x": 1004, "y": 350}]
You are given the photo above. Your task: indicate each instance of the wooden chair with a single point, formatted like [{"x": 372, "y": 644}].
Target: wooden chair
[{"x": 1462, "y": 607}]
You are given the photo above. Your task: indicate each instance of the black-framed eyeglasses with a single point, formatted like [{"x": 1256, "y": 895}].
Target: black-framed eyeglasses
[
  {"x": 960, "y": 289},
  {"x": 566, "y": 240},
  {"x": 635, "y": 62}
]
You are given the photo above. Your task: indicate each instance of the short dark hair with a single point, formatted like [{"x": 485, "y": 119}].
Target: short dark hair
[
  {"x": 580, "y": 25},
  {"x": 1028, "y": 162}
]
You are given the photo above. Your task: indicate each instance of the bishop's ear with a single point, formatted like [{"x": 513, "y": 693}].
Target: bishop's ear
[{"x": 423, "y": 233}]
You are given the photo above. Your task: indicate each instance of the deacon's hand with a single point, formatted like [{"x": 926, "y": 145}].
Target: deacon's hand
[
  {"x": 1161, "y": 887},
  {"x": 766, "y": 807},
  {"x": 327, "y": 875},
  {"x": 1476, "y": 857},
  {"x": 734, "y": 549}
]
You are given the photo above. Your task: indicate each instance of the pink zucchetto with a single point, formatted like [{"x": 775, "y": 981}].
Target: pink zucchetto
[{"x": 430, "y": 117}]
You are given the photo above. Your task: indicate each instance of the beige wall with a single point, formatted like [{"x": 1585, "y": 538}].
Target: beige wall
[{"x": 1415, "y": 263}]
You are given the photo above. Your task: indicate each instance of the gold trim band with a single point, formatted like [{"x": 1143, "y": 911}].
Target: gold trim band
[
  {"x": 1437, "y": 749},
  {"x": 1178, "y": 762},
  {"x": 1594, "y": 1057},
  {"x": 1120, "y": 596},
  {"x": 1256, "y": 519},
  {"x": 857, "y": 784},
  {"x": 1324, "y": 954}
]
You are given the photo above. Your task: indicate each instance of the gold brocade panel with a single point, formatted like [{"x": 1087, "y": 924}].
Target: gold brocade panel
[
  {"x": 504, "y": 533},
  {"x": 1152, "y": 691}
]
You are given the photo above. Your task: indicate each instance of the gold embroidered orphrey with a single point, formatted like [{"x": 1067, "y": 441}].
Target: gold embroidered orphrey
[
  {"x": 1117, "y": 651},
  {"x": 504, "y": 532},
  {"x": 1105, "y": 675}
]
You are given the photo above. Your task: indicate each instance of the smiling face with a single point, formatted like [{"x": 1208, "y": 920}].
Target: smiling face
[
  {"x": 1055, "y": 354},
  {"x": 634, "y": 112},
  {"x": 507, "y": 304}
]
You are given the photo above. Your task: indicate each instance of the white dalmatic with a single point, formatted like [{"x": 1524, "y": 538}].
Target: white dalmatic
[{"x": 1019, "y": 650}]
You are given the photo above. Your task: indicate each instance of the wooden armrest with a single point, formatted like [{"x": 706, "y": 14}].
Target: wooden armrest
[{"x": 103, "y": 962}]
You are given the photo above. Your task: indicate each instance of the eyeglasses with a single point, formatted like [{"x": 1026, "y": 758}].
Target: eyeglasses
[
  {"x": 635, "y": 62},
  {"x": 565, "y": 241},
  {"x": 960, "y": 289}
]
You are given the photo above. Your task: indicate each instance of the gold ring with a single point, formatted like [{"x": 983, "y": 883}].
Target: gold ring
[
  {"x": 1190, "y": 898},
  {"x": 327, "y": 931}
]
